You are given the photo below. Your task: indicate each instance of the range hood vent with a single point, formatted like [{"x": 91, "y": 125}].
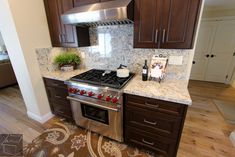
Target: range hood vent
[{"x": 100, "y": 14}]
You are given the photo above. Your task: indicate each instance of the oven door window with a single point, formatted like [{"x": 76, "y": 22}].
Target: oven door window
[{"x": 95, "y": 113}]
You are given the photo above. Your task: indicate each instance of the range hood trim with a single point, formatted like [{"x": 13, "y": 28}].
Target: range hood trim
[{"x": 105, "y": 13}]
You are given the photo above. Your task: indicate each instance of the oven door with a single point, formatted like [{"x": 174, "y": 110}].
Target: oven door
[{"x": 98, "y": 116}]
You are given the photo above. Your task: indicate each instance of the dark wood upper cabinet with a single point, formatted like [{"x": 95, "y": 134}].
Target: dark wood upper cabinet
[
  {"x": 169, "y": 24},
  {"x": 147, "y": 23},
  {"x": 63, "y": 35},
  {"x": 69, "y": 35},
  {"x": 179, "y": 23},
  {"x": 78, "y": 3},
  {"x": 54, "y": 23}
]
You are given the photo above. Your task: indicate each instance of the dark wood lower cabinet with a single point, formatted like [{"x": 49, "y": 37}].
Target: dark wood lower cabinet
[
  {"x": 150, "y": 124},
  {"x": 161, "y": 145},
  {"x": 57, "y": 93}
]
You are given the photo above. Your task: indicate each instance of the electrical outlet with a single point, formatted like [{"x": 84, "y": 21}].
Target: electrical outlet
[
  {"x": 176, "y": 60},
  {"x": 83, "y": 55}
]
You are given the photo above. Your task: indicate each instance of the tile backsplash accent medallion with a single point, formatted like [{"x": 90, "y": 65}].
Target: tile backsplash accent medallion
[{"x": 112, "y": 46}]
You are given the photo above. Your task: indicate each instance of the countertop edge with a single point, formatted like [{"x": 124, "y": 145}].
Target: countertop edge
[
  {"x": 183, "y": 102},
  {"x": 54, "y": 78}
]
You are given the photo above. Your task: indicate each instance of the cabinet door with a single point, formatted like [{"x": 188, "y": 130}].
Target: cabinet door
[
  {"x": 147, "y": 22},
  {"x": 54, "y": 23},
  {"x": 179, "y": 21},
  {"x": 204, "y": 45},
  {"x": 221, "y": 58},
  {"x": 78, "y": 3},
  {"x": 69, "y": 34}
]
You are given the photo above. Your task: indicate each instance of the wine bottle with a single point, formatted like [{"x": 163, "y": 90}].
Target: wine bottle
[{"x": 145, "y": 72}]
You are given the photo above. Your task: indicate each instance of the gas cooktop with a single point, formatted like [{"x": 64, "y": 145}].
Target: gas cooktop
[{"x": 102, "y": 78}]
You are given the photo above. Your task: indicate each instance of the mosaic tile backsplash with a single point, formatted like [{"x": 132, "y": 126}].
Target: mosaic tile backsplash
[{"x": 112, "y": 46}]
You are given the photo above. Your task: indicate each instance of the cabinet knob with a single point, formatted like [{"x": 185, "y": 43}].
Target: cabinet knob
[
  {"x": 212, "y": 56},
  {"x": 207, "y": 56},
  {"x": 194, "y": 62}
]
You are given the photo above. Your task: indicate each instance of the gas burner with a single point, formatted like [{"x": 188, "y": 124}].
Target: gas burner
[{"x": 102, "y": 78}]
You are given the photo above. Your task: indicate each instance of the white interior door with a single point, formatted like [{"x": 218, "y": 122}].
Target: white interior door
[
  {"x": 220, "y": 62},
  {"x": 203, "y": 49}
]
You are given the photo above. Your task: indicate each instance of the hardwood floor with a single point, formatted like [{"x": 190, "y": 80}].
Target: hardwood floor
[
  {"x": 205, "y": 132},
  {"x": 13, "y": 117}
]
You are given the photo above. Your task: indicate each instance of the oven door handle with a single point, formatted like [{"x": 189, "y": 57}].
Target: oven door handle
[{"x": 94, "y": 104}]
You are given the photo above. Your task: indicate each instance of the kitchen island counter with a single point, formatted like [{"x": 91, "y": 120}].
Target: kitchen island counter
[{"x": 169, "y": 90}]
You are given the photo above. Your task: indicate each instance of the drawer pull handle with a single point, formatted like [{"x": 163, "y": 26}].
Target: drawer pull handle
[
  {"x": 151, "y": 123},
  {"x": 147, "y": 104},
  {"x": 55, "y": 84},
  {"x": 61, "y": 112},
  {"x": 57, "y": 96},
  {"x": 146, "y": 142}
]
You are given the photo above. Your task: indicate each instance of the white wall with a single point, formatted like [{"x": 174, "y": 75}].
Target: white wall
[
  {"x": 218, "y": 13},
  {"x": 191, "y": 56},
  {"x": 24, "y": 28}
]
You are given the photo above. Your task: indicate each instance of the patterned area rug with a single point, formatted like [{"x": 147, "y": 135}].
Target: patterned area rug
[{"x": 67, "y": 140}]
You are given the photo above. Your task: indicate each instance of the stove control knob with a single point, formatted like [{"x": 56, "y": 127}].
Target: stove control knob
[
  {"x": 82, "y": 92},
  {"x": 100, "y": 96},
  {"x": 115, "y": 100},
  {"x": 90, "y": 94},
  {"x": 108, "y": 98},
  {"x": 73, "y": 90}
]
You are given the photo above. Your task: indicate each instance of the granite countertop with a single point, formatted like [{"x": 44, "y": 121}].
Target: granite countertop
[
  {"x": 168, "y": 90},
  {"x": 4, "y": 58},
  {"x": 62, "y": 75}
]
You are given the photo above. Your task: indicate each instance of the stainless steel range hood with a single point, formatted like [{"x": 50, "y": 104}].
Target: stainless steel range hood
[{"x": 105, "y": 13}]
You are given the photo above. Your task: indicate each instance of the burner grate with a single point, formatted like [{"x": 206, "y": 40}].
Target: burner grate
[{"x": 95, "y": 77}]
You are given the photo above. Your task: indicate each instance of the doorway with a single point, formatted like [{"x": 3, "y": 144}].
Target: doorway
[{"x": 214, "y": 59}]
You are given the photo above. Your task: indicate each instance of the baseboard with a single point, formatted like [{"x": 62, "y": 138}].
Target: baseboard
[
  {"x": 39, "y": 119},
  {"x": 233, "y": 85},
  {"x": 232, "y": 138}
]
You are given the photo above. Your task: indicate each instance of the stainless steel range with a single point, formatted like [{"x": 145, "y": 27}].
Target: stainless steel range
[{"x": 96, "y": 97}]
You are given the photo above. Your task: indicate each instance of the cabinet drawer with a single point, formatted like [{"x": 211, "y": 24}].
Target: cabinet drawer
[
  {"x": 155, "y": 105},
  {"x": 57, "y": 94},
  {"x": 154, "y": 122},
  {"x": 62, "y": 109},
  {"x": 54, "y": 83},
  {"x": 158, "y": 144}
]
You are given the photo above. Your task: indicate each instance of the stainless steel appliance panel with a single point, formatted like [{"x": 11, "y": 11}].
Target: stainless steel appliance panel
[{"x": 112, "y": 129}]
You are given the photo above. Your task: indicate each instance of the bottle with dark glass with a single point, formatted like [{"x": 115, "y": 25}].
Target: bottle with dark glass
[{"x": 145, "y": 72}]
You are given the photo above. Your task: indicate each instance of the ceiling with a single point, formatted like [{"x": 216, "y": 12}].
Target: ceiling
[{"x": 219, "y": 4}]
